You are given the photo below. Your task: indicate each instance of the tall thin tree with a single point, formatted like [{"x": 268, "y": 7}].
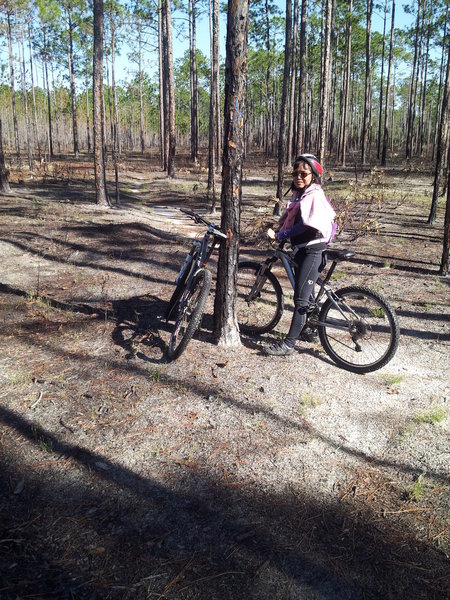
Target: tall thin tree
[
  {"x": 225, "y": 322},
  {"x": 388, "y": 89},
  {"x": 98, "y": 110},
  {"x": 284, "y": 100}
]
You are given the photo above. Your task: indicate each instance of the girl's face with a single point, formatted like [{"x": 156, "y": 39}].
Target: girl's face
[{"x": 302, "y": 176}]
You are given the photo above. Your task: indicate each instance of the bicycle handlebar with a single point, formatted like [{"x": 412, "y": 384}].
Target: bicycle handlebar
[{"x": 199, "y": 219}]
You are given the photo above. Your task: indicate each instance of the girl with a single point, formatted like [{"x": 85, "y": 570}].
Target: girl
[{"x": 308, "y": 222}]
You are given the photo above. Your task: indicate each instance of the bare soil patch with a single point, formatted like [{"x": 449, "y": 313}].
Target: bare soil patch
[{"x": 225, "y": 474}]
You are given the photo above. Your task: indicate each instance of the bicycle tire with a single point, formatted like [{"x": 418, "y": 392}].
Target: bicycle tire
[
  {"x": 263, "y": 313},
  {"x": 177, "y": 293},
  {"x": 190, "y": 313},
  {"x": 367, "y": 341}
]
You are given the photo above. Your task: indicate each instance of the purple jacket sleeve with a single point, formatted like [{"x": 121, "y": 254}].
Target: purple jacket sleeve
[{"x": 296, "y": 229}]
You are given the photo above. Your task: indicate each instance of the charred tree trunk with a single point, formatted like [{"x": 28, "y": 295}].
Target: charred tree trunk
[{"x": 225, "y": 322}]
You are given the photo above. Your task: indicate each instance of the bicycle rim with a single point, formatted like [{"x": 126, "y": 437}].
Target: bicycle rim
[
  {"x": 258, "y": 311},
  {"x": 190, "y": 313},
  {"x": 363, "y": 334}
]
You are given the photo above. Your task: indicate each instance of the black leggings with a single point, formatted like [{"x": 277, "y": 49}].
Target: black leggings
[{"x": 308, "y": 261}]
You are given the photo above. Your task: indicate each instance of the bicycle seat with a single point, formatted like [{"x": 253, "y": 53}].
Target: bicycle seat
[{"x": 338, "y": 255}]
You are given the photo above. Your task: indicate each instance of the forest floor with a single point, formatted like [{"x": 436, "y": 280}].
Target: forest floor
[{"x": 225, "y": 474}]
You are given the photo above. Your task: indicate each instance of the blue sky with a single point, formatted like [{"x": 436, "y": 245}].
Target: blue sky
[{"x": 181, "y": 43}]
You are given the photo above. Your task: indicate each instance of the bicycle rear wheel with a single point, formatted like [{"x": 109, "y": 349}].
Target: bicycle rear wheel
[
  {"x": 360, "y": 333},
  {"x": 259, "y": 304},
  {"x": 190, "y": 312}
]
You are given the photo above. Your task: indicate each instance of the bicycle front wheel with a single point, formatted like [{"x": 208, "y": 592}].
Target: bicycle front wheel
[
  {"x": 259, "y": 299},
  {"x": 359, "y": 332},
  {"x": 190, "y": 313}
]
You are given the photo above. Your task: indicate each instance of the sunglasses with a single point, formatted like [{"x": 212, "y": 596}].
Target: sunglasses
[{"x": 302, "y": 174}]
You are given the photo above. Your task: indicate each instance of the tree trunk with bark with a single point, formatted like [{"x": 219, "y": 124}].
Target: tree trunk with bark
[
  {"x": 98, "y": 111},
  {"x": 325, "y": 95},
  {"x": 12, "y": 84},
  {"x": 73, "y": 95},
  {"x": 4, "y": 173},
  {"x": 300, "y": 140},
  {"x": 193, "y": 80},
  {"x": 446, "y": 247},
  {"x": 368, "y": 87},
  {"x": 388, "y": 89},
  {"x": 442, "y": 145},
  {"x": 168, "y": 74},
  {"x": 346, "y": 92},
  {"x": 284, "y": 99},
  {"x": 225, "y": 322},
  {"x": 213, "y": 108}
]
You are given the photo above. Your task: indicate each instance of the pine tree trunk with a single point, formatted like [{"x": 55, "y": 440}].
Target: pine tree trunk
[
  {"x": 325, "y": 87},
  {"x": 225, "y": 322},
  {"x": 12, "y": 84},
  {"x": 25, "y": 99},
  {"x": 169, "y": 85},
  {"x": 380, "y": 103},
  {"x": 388, "y": 89},
  {"x": 33, "y": 95},
  {"x": 88, "y": 109},
  {"x": 290, "y": 144},
  {"x": 73, "y": 94},
  {"x": 442, "y": 145},
  {"x": 300, "y": 141},
  {"x": 368, "y": 87},
  {"x": 98, "y": 111},
  {"x": 4, "y": 173},
  {"x": 284, "y": 98},
  {"x": 345, "y": 115},
  {"x": 141, "y": 94},
  {"x": 216, "y": 30},
  {"x": 213, "y": 117},
  {"x": 446, "y": 245},
  {"x": 413, "y": 86},
  {"x": 194, "y": 81},
  {"x": 162, "y": 134}
]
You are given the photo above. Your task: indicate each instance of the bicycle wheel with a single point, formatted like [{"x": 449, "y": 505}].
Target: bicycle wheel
[
  {"x": 190, "y": 313},
  {"x": 259, "y": 306},
  {"x": 360, "y": 333},
  {"x": 171, "y": 310}
]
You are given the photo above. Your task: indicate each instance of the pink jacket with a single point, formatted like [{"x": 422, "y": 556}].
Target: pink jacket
[{"x": 314, "y": 209}]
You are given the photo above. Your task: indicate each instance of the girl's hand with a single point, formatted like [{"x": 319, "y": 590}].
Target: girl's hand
[{"x": 271, "y": 234}]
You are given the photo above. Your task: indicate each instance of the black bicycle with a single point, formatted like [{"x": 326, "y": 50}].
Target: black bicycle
[
  {"x": 357, "y": 327},
  {"x": 193, "y": 284}
]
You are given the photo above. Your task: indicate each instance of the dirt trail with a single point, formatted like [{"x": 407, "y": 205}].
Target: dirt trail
[{"x": 226, "y": 474}]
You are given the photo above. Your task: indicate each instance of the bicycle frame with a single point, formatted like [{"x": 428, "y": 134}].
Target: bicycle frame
[{"x": 289, "y": 264}]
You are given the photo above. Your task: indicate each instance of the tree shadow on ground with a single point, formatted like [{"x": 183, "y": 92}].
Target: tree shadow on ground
[{"x": 84, "y": 526}]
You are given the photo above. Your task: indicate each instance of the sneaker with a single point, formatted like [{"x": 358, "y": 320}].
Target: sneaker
[
  {"x": 279, "y": 349},
  {"x": 309, "y": 335}
]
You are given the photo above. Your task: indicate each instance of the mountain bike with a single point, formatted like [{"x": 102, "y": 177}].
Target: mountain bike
[
  {"x": 357, "y": 327},
  {"x": 193, "y": 284}
]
